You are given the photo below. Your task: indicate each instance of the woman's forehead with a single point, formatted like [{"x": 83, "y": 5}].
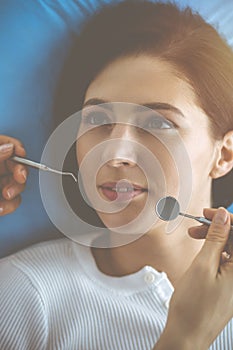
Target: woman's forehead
[
  {"x": 146, "y": 80},
  {"x": 140, "y": 79}
]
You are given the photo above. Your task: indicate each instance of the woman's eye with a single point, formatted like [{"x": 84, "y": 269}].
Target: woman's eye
[
  {"x": 96, "y": 118},
  {"x": 158, "y": 123}
]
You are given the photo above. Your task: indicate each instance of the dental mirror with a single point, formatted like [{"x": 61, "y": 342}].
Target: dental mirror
[{"x": 168, "y": 208}]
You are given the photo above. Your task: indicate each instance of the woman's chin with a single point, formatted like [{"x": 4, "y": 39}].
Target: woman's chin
[{"x": 117, "y": 220}]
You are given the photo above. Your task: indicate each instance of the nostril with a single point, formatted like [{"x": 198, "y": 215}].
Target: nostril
[{"x": 119, "y": 163}]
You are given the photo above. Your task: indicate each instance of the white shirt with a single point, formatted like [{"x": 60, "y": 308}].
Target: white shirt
[{"x": 52, "y": 296}]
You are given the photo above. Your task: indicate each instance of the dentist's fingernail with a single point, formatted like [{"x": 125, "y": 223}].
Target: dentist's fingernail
[
  {"x": 10, "y": 192},
  {"x": 6, "y": 147},
  {"x": 221, "y": 216},
  {"x": 24, "y": 173}
]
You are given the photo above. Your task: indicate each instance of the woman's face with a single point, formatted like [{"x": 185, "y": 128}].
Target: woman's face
[{"x": 129, "y": 152}]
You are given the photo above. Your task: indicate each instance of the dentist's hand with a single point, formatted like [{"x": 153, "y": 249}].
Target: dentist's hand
[
  {"x": 200, "y": 232},
  {"x": 202, "y": 303},
  {"x": 12, "y": 175}
]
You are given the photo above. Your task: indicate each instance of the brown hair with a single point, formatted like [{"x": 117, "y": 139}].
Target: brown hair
[{"x": 178, "y": 36}]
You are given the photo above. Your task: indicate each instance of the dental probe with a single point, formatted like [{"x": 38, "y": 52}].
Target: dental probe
[{"x": 40, "y": 166}]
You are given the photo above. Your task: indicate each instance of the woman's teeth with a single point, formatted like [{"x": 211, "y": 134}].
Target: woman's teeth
[
  {"x": 123, "y": 189},
  {"x": 121, "y": 192}
]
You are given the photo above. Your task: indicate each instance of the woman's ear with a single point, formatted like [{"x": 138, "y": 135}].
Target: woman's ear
[{"x": 224, "y": 160}]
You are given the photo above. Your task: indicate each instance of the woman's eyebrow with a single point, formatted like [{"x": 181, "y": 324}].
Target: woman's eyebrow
[
  {"x": 94, "y": 101},
  {"x": 164, "y": 106},
  {"x": 151, "y": 105}
]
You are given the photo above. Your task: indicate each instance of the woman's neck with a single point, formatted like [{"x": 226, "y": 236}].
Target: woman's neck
[{"x": 171, "y": 253}]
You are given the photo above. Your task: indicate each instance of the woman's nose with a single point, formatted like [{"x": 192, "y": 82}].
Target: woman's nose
[{"x": 121, "y": 147}]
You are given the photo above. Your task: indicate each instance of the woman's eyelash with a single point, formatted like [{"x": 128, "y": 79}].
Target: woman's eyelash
[
  {"x": 159, "y": 123},
  {"x": 96, "y": 118},
  {"x": 99, "y": 118}
]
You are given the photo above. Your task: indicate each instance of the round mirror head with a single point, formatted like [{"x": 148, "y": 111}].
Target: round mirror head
[{"x": 167, "y": 208}]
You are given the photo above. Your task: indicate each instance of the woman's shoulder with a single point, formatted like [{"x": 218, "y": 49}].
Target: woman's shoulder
[
  {"x": 38, "y": 249},
  {"x": 41, "y": 256},
  {"x": 43, "y": 264}
]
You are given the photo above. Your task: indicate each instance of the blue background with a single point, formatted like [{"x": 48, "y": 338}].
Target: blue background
[{"x": 34, "y": 38}]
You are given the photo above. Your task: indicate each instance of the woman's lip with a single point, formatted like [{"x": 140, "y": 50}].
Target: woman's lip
[
  {"x": 122, "y": 184},
  {"x": 114, "y": 191}
]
